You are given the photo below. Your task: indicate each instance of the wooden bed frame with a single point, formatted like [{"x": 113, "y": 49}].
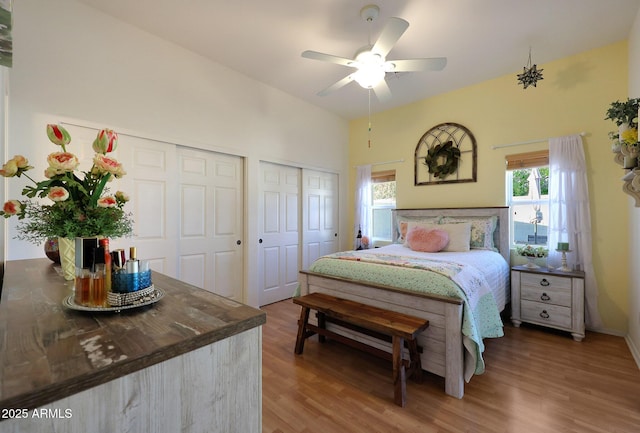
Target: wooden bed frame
[{"x": 442, "y": 344}]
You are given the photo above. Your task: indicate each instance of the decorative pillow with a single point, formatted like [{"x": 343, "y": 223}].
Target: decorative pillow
[
  {"x": 427, "y": 240},
  {"x": 403, "y": 225},
  {"x": 459, "y": 236},
  {"x": 482, "y": 229}
]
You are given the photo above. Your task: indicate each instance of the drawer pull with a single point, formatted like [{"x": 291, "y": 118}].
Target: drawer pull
[
  {"x": 545, "y": 297},
  {"x": 544, "y": 314},
  {"x": 544, "y": 282}
]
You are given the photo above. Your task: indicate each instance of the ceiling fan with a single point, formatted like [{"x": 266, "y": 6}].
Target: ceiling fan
[{"x": 371, "y": 62}]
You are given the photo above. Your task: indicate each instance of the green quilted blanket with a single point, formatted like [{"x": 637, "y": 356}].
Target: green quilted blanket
[{"x": 481, "y": 318}]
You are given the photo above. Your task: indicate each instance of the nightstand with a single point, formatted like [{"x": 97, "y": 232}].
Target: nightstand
[{"x": 549, "y": 298}]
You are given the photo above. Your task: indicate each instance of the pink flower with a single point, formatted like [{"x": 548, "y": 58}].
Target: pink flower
[
  {"x": 104, "y": 164},
  {"x": 49, "y": 172},
  {"x": 15, "y": 166},
  {"x": 58, "y": 135},
  {"x": 105, "y": 142},
  {"x": 107, "y": 201},
  {"x": 9, "y": 169},
  {"x": 63, "y": 161},
  {"x": 12, "y": 207},
  {"x": 21, "y": 162},
  {"x": 58, "y": 193},
  {"x": 121, "y": 197}
]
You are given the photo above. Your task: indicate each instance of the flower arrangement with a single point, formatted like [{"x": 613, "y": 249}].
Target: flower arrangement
[
  {"x": 80, "y": 206},
  {"x": 529, "y": 251},
  {"x": 625, "y": 116}
]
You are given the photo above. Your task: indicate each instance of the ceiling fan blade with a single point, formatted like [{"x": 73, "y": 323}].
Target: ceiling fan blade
[
  {"x": 382, "y": 91},
  {"x": 392, "y": 31},
  {"x": 335, "y": 86},
  {"x": 411, "y": 65},
  {"x": 329, "y": 58}
]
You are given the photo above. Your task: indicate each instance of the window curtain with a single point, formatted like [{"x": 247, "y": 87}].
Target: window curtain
[
  {"x": 362, "y": 217},
  {"x": 569, "y": 215}
]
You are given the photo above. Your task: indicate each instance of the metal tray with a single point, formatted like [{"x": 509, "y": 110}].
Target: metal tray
[{"x": 152, "y": 298}]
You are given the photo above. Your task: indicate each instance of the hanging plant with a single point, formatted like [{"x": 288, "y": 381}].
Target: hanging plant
[{"x": 442, "y": 159}]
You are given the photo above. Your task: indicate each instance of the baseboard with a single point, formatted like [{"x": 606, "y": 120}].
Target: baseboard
[
  {"x": 607, "y": 331},
  {"x": 633, "y": 349}
]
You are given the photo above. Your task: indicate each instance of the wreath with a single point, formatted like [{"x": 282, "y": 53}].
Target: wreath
[{"x": 451, "y": 155}]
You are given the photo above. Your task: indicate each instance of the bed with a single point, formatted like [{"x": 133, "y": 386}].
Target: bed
[{"x": 452, "y": 346}]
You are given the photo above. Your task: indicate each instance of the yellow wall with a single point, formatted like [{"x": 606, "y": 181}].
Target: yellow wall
[{"x": 572, "y": 98}]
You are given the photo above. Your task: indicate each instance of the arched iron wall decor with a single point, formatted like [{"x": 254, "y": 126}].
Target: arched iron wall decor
[{"x": 446, "y": 154}]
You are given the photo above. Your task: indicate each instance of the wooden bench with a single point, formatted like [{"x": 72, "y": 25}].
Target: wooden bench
[{"x": 400, "y": 327}]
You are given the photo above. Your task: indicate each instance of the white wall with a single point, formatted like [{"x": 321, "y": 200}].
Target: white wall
[
  {"x": 633, "y": 338},
  {"x": 73, "y": 62}
]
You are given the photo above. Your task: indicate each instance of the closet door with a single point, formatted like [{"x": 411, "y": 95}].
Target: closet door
[
  {"x": 279, "y": 233},
  {"x": 151, "y": 185},
  {"x": 319, "y": 215},
  {"x": 210, "y": 249}
]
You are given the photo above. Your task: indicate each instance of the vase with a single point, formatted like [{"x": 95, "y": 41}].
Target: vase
[
  {"x": 629, "y": 162},
  {"x": 51, "y": 250},
  {"x": 531, "y": 263},
  {"x": 67, "y": 249}
]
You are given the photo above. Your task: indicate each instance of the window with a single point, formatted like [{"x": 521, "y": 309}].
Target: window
[
  {"x": 383, "y": 201},
  {"x": 528, "y": 197}
]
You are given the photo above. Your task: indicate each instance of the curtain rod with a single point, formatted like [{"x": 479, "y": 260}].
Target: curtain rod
[
  {"x": 582, "y": 134},
  {"x": 383, "y": 163}
]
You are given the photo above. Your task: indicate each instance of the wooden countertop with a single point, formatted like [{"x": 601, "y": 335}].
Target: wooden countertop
[{"x": 48, "y": 352}]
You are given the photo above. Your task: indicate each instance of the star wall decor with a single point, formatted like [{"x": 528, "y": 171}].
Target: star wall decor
[{"x": 530, "y": 74}]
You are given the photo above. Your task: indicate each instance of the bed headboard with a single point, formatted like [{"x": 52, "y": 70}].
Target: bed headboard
[{"x": 500, "y": 236}]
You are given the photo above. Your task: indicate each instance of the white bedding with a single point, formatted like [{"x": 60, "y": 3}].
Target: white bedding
[{"x": 490, "y": 264}]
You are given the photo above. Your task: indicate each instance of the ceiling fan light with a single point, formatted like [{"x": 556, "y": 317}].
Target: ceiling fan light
[{"x": 369, "y": 76}]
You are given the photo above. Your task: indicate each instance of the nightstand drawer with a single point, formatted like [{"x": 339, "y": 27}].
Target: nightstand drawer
[
  {"x": 546, "y": 295},
  {"x": 546, "y": 314},
  {"x": 545, "y": 281}
]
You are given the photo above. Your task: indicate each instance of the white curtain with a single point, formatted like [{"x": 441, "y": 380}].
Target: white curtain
[
  {"x": 362, "y": 219},
  {"x": 569, "y": 216}
]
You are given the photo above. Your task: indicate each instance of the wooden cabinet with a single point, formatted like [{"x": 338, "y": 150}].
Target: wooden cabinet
[
  {"x": 548, "y": 298},
  {"x": 189, "y": 363}
]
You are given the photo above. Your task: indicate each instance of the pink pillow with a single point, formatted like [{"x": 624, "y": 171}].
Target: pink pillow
[{"x": 427, "y": 240}]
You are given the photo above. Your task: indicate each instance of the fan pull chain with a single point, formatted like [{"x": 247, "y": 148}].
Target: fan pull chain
[{"x": 369, "y": 132}]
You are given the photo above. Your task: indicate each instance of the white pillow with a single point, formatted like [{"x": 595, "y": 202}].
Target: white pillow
[
  {"x": 482, "y": 229},
  {"x": 459, "y": 236}
]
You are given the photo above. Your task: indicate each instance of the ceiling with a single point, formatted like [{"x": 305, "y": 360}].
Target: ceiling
[{"x": 263, "y": 39}]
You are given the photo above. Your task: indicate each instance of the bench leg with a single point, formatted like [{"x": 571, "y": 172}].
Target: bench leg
[
  {"x": 302, "y": 329},
  {"x": 322, "y": 324},
  {"x": 416, "y": 364},
  {"x": 399, "y": 373}
]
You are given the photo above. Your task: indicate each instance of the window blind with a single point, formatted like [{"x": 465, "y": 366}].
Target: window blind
[
  {"x": 383, "y": 176},
  {"x": 538, "y": 158}
]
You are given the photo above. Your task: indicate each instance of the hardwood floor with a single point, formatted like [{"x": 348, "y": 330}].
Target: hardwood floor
[{"x": 536, "y": 380}]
